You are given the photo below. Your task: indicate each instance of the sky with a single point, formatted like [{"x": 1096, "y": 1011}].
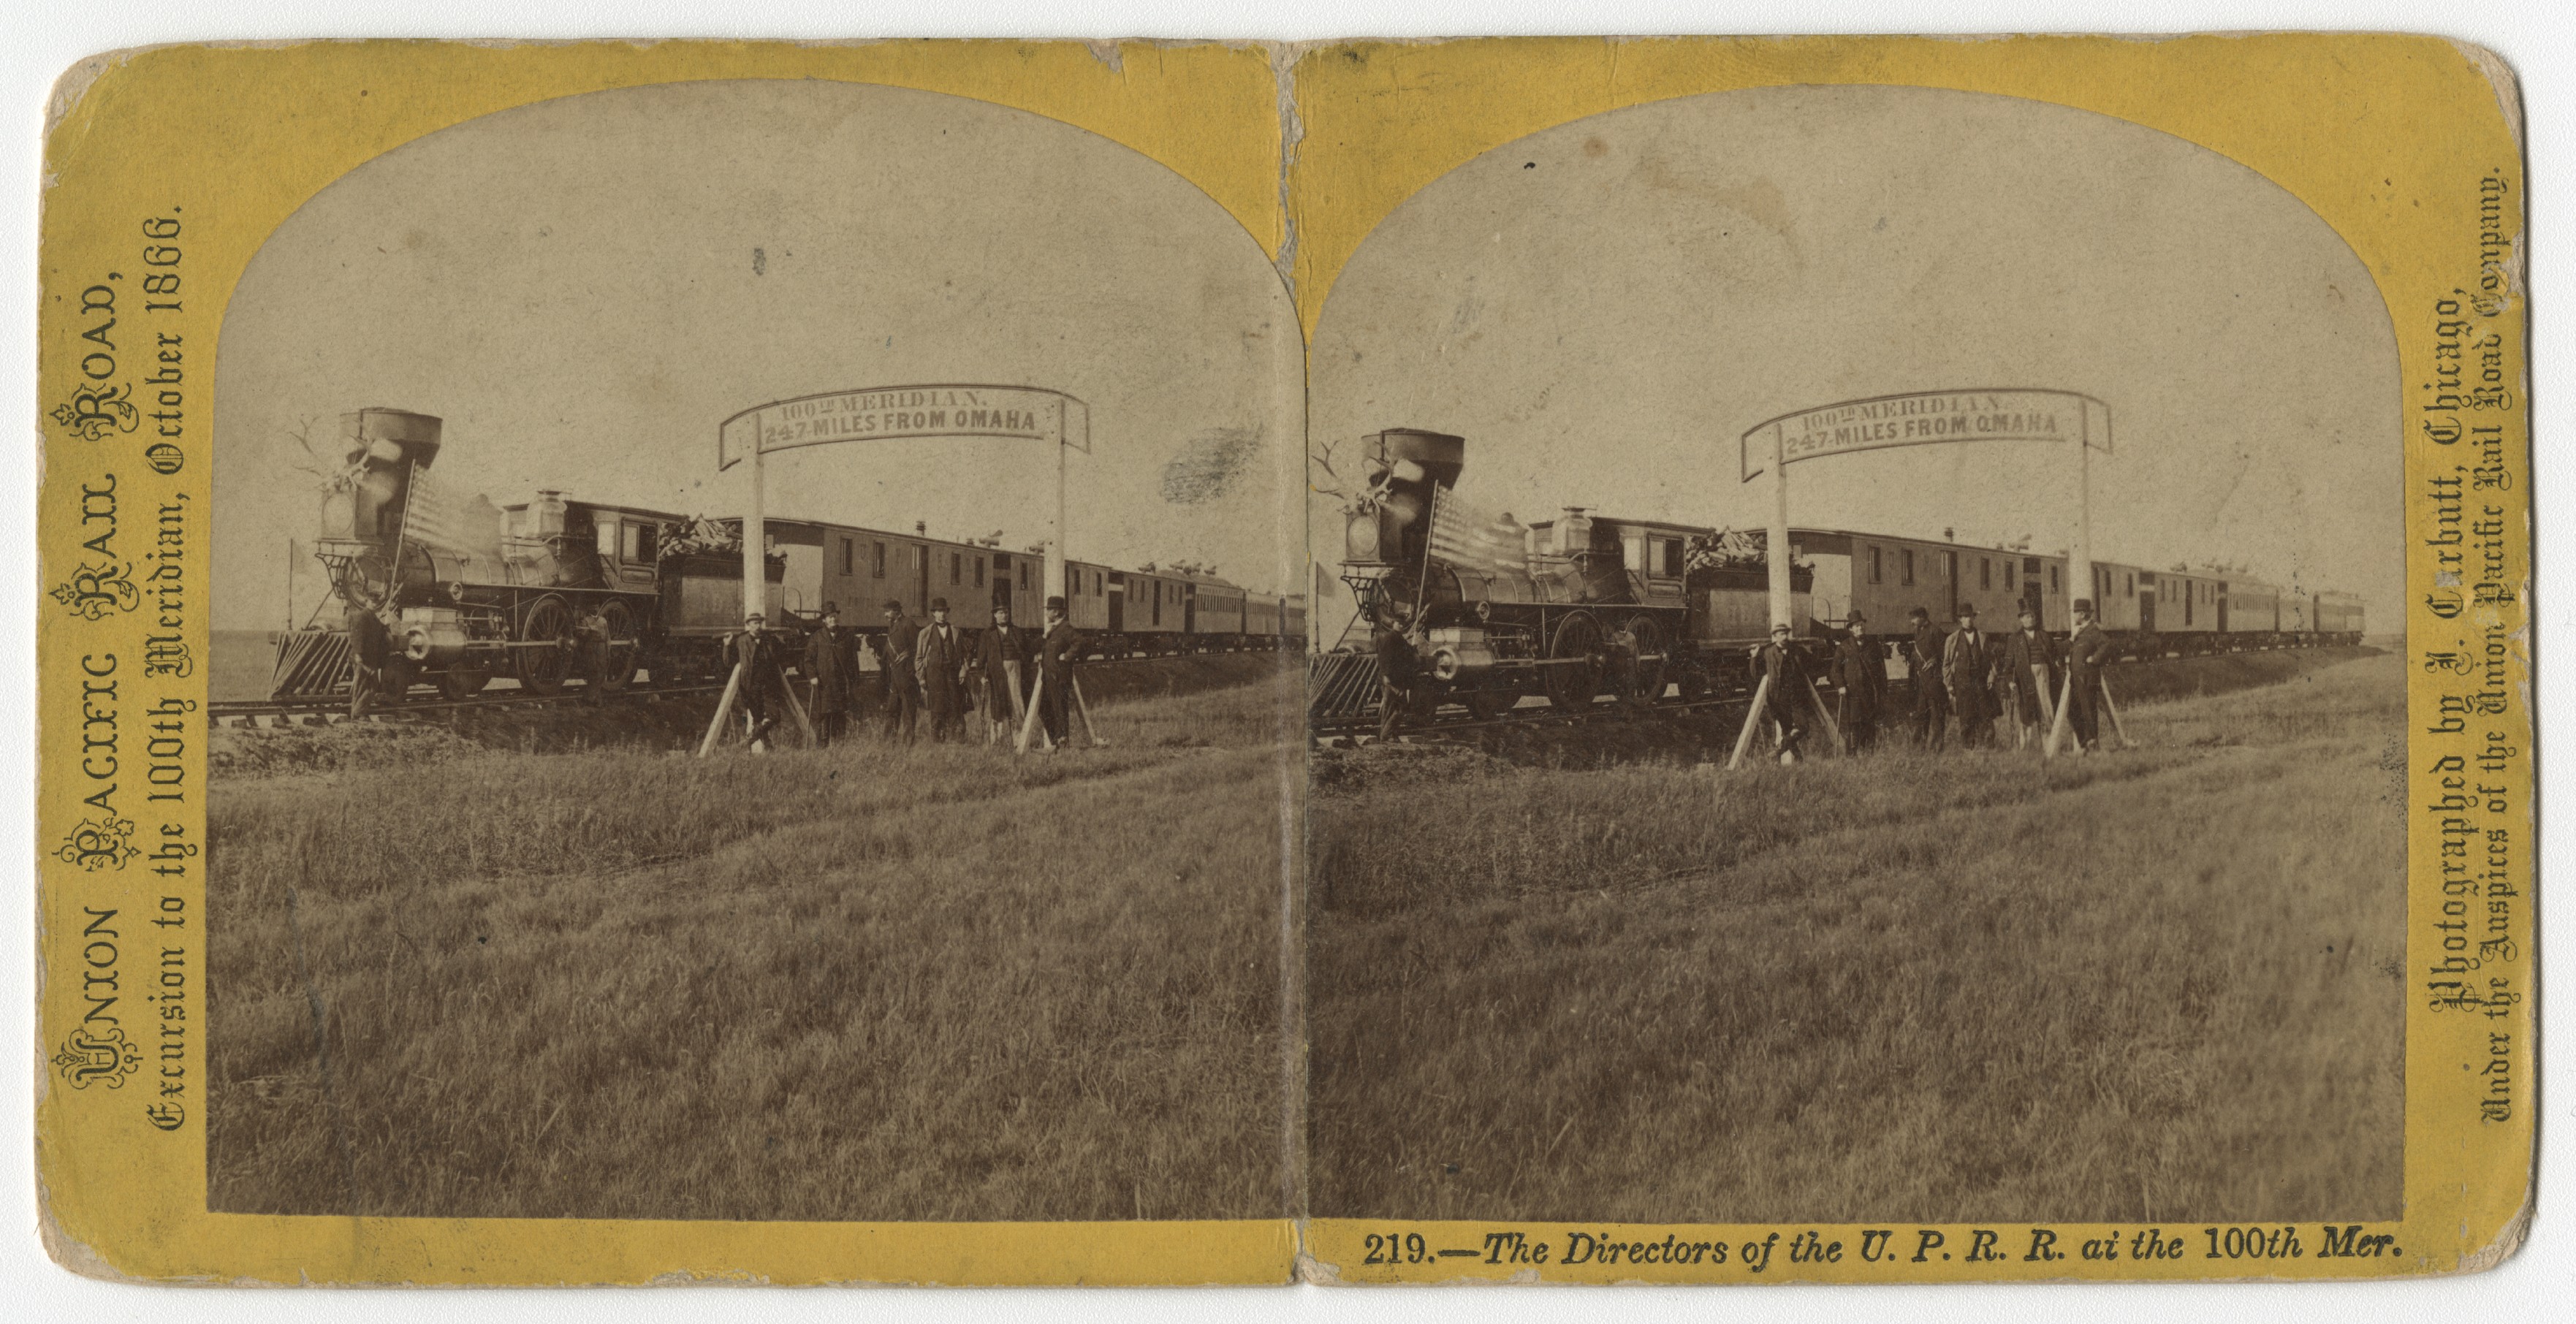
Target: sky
[
  {"x": 1604, "y": 308},
  {"x": 584, "y": 289}
]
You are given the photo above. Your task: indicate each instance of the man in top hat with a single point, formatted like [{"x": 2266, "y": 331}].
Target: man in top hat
[
  {"x": 755, "y": 657},
  {"x": 939, "y": 657},
  {"x": 1968, "y": 660},
  {"x": 901, "y": 703},
  {"x": 1778, "y": 664},
  {"x": 2088, "y": 650},
  {"x": 1003, "y": 656},
  {"x": 1056, "y": 651},
  {"x": 831, "y": 667},
  {"x": 2029, "y": 667},
  {"x": 1931, "y": 693},
  {"x": 1399, "y": 667},
  {"x": 1860, "y": 683}
]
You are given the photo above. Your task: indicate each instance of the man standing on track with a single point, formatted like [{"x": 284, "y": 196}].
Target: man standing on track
[
  {"x": 369, "y": 647},
  {"x": 1398, "y": 668},
  {"x": 1931, "y": 695},
  {"x": 2087, "y": 652},
  {"x": 939, "y": 658},
  {"x": 1777, "y": 663},
  {"x": 593, "y": 632},
  {"x": 2030, "y": 667},
  {"x": 1860, "y": 683},
  {"x": 1968, "y": 664},
  {"x": 902, "y": 698}
]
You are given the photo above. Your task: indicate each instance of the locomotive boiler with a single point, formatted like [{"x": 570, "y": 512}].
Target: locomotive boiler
[{"x": 1572, "y": 607}]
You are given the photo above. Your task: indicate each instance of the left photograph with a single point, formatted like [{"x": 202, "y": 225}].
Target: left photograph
[{"x": 851, "y": 543}]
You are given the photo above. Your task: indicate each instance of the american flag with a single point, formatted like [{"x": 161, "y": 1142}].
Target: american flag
[
  {"x": 1469, "y": 538},
  {"x": 449, "y": 528}
]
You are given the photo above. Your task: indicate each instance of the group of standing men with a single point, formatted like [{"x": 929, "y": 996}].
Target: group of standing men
[
  {"x": 1978, "y": 676},
  {"x": 934, "y": 672}
]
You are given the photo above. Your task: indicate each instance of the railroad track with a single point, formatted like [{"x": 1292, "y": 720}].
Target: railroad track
[{"x": 327, "y": 710}]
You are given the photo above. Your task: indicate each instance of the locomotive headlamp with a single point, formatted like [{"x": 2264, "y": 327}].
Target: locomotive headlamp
[{"x": 1444, "y": 665}]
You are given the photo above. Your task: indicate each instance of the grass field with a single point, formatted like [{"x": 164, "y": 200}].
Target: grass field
[
  {"x": 2159, "y": 984},
  {"x": 861, "y": 983}
]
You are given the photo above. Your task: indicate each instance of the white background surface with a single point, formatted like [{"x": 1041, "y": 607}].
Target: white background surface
[{"x": 38, "y": 40}]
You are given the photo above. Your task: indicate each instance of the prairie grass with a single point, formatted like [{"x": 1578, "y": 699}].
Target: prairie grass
[
  {"x": 857, "y": 983},
  {"x": 2159, "y": 984}
]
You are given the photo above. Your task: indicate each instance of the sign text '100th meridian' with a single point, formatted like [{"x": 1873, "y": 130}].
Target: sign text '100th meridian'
[
  {"x": 1928, "y": 417},
  {"x": 889, "y": 413}
]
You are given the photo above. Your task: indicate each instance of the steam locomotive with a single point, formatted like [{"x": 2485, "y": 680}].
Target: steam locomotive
[
  {"x": 470, "y": 591},
  {"x": 1583, "y": 605}
]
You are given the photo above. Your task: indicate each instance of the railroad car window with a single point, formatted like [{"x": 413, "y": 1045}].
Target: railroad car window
[
  {"x": 1905, "y": 566},
  {"x": 1024, "y": 576},
  {"x": 2052, "y": 579},
  {"x": 979, "y": 572},
  {"x": 1873, "y": 565},
  {"x": 641, "y": 543},
  {"x": 1985, "y": 573},
  {"x": 956, "y": 567},
  {"x": 849, "y": 555},
  {"x": 1673, "y": 557},
  {"x": 2133, "y": 586},
  {"x": 880, "y": 554},
  {"x": 606, "y": 535},
  {"x": 2008, "y": 574}
]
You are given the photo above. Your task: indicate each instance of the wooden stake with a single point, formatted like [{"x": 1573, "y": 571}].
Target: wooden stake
[
  {"x": 1752, "y": 719},
  {"x": 803, "y": 722},
  {"x": 2116, "y": 723},
  {"x": 724, "y": 707},
  {"x": 1085, "y": 708},
  {"x": 2058, "y": 728},
  {"x": 1029, "y": 721},
  {"x": 1833, "y": 729}
]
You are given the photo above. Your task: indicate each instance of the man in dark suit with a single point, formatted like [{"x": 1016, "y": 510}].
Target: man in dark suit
[
  {"x": 939, "y": 659},
  {"x": 901, "y": 702},
  {"x": 370, "y": 647},
  {"x": 2030, "y": 668},
  {"x": 1399, "y": 668},
  {"x": 1056, "y": 652},
  {"x": 1860, "y": 684},
  {"x": 1968, "y": 659},
  {"x": 830, "y": 667},
  {"x": 755, "y": 657},
  {"x": 1931, "y": 693},
  {"x": 1778, "y": 664},
  {"x": 1003, "y": 656},
  {"x": 2087, "y": 652}
]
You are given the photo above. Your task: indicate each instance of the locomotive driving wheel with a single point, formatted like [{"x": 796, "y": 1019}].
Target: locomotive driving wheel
[
  {"x": 621, "y": 649},
  {"x": 548, "y": 629},
  {"x": 1647, "y": 667},
  {"x": 1576, "y": 662}
]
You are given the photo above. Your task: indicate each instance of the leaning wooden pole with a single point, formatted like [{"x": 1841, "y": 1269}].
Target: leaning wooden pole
[
  {"x": 1833, "y": 729},
  {"x": 1029, "y": 723},
  {"x": 2057, "y": 725},
  {"x": 2116, "y": 724},
  {"x": 724, "y": 707},
  {"x": 803, "y": 723},
  {"x": 1752, "y": 719},
  {"x": 1084, "y": 707}
]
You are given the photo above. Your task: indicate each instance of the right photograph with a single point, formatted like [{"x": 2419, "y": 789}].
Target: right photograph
[{"x": 1858, "y": 675}]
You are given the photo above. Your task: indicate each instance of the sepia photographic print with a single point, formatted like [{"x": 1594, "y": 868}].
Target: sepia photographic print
[{"x": 1682, "y": 661}]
